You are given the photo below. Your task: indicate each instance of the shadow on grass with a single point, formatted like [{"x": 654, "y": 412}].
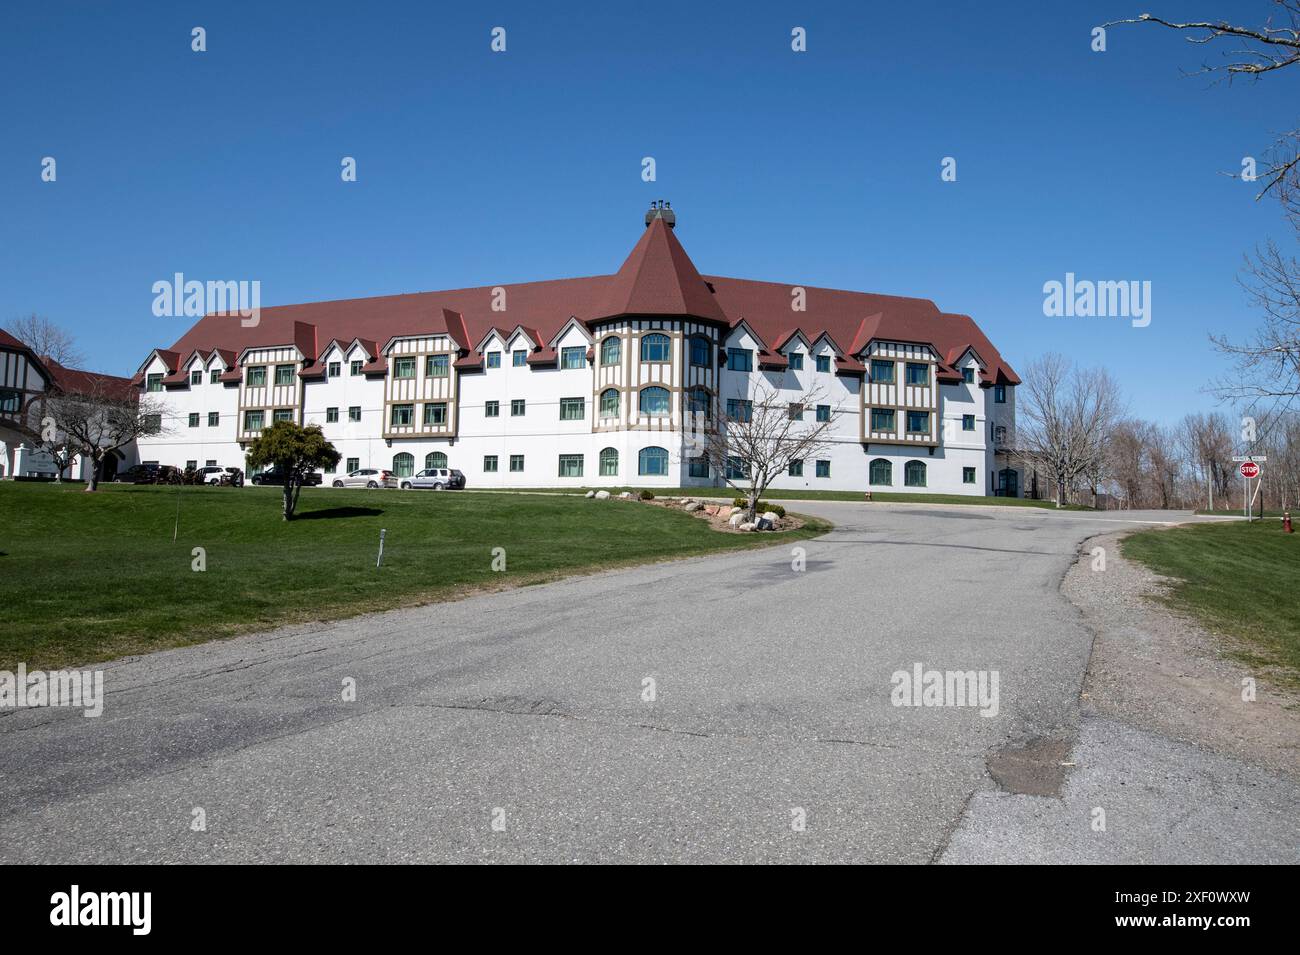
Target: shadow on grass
[{"x": 331, "y": 512}]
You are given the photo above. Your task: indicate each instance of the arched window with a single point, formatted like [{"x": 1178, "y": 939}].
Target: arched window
[
  {"x": 435, "y": 459},
  {"x": 609, "y": 403},
  {"x": 697, "y": 401},
  {"x": 403, "y": 464},
  {"x": 914, "y": 474},
  {"x": 882, "y": 472},
  {"x": 652, "y": 461},
  {"x": 609, "y": 462},
  {"x": 610, "y": 350},
  {"x": 655, "y": 348},
  {"x": 654, "y": 401},
  {"x": 701, "y": 351}
]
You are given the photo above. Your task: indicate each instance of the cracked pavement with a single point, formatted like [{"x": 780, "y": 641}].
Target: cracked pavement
[{"x": 772, "y": 698}]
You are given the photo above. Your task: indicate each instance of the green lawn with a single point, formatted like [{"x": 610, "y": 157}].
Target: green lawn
[
  {"x": 1240, "y": 579},
  {"x": 89, "y": 577},
  {"x": 887, "y": 497}
]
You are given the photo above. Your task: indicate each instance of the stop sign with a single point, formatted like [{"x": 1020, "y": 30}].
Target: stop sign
[{"x": 1249, "y": 469}]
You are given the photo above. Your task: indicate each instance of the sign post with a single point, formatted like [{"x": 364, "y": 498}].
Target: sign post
[{"x": 1249, "y": 468}]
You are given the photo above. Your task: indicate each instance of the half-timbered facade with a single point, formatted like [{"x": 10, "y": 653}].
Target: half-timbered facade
[{"x": 592, "y": 381}]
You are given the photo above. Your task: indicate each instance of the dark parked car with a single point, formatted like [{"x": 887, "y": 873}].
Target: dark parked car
[
  {"x": 276, "y": 476},
  {"x": 138, "y": 474}
]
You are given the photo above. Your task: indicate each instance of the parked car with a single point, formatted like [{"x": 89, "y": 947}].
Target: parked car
[
  {"x": 233, "y": 477},
  {"x": 366, "y": 477},
  {"x": 138, "y": 474},
  {"x": 276, "y": 476},
  {"x": 211, "y": 474},
  {"x": 436, "y": 478}
]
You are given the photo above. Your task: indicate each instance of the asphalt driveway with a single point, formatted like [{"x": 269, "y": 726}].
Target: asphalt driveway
[{"x": 729, "y": 708}]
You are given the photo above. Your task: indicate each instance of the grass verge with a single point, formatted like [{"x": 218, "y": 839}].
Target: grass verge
[
  {"x": 90, "y": 577},
  {"x": 1238, "y": 579}
]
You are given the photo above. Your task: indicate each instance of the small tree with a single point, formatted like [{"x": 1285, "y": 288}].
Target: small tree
[
  {"x": 95, "y": 421},
  {"x": 754, "y": 447},
  {"x": 296, "y": 451}
]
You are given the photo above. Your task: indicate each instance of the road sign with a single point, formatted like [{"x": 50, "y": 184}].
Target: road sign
[
  {"x": 1249, "y": 469},
  {"x": 1257, "y": 458}
]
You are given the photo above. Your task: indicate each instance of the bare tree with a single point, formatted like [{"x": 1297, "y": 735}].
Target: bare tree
[
  {"x": 100, "y": 418},
  {"x": 757, "y": 445},
  {"x": 1067, "y": 415},
  {"x": 1269, "y": 363},
  {"x": 46, "y": 339}
]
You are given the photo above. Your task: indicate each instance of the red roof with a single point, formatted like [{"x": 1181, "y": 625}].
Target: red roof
[{"x": 657, "y": 279}]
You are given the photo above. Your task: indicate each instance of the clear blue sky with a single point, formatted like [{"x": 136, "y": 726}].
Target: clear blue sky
[{"x": 819, "y": 168}]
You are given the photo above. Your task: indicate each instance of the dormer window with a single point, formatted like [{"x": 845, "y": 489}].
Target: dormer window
[
  {"x": 968, "y": 374},
  {"x": 519, "y": 357},
  {"x": 494, "y": 359},
  {"x": 796, "y": 360},
  {"x": 215, "y": 376},
  {"x": 153, "y": 383},
  {"x": 196, "y": 377},
  {"x": 823, "y": 363}
]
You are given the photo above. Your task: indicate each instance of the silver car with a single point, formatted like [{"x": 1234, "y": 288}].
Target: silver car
[
  {"x": 436, "y": 478},
  {"x": 367, "y": 477}
]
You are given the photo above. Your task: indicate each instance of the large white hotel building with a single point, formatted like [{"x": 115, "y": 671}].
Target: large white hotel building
[{"x": 585, "y": 381}]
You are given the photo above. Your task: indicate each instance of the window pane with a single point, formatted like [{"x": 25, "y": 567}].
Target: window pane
[
  {"x": 570, "y": 465},
  {"x": 609, "y": 462},
  {"x": 572, "y": 409},
  {"x": 609, "y": 403},
  {"x": 882, "y": 371},
  {"x": 654, "y": 401},
  {"x": 489, "y": 463},
  {"x": 573, "y": 357},
  {"x": 491, "y": 409},
  {"x": 283, "y": 375},
  {"x": 435, "y": 366},
  {"x": 882, "y": 472},
  {"x": 653, "y": 461},
  {"x": 796, "y": 361},
  {"x": 519, "y": 358},
  {"x": 823, "y": 362},
  {"x": 655, "y": 348},
  {"x": 740, "y": 359},
  {"x": 914, "y": 474},
  {"x": 700, "y": 350},
  {"x": 610, "y": 349}
]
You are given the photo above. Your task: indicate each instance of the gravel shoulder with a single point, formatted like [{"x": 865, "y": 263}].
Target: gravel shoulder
[{"x": 1159, "y": 670}]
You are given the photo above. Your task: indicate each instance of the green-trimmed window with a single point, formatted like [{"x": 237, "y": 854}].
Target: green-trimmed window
[
  {"x": 609, "y": 462},
  {"x": 254, "y": 420},
  {"x": 403, "y": 464},
  {"x": 404, "y": 368},
  {"x": 823, "y": 363},
  {"x": 401, "y": 415},
  {"x": 823, "y": 412},
  {"x": 882, "y": 371},
  {"x": 795, "y": 469},
  {"x": 570, "y": 465},
  {"x": 914, "y": 474},
  {"x": 153, "y": 383},
  {"x": 881, "y": 473},
  {"x": 699, "y": 467},
  {"x": 214, "y": 419},
  {"x": 331, "y": 415},
  {"x": 968, "y": 422},
  {"x": 823, "y": 469},
  {"x": 611, "y": 349},
  {"x": 516, "y": 462},
  {"x": 518, "y": 407},
  {"x": 354, "y": 414},
  {"x": 572, "y": 409},
  {"x": 573, "y": 357},
  {"x": 918, "y": 422},
  {"x": 282, "y": 414},
  {"x": 334, "y": 369},
  {"x": 491, "y": 409},
  {"x": 194, "y": 419},
  {"x": 740, "y": 359},
  {"x": 609, "y": 403},
  {"x": 968, "y": 374},
  {"x": 256, "y": 377},
  {"x": 882, "y": 419},
  {"x": 435, "y": 459},
  {"x": 435, "y": 413},
  {"x": 654, "y": 401},
  {"x": 701, "y": 351},
  {"x": 494, "y": 359},
  {"x": 519, "y": 357},
  {"x": 796, "y": 360},
  {"x": 196, "y": 377},
  {"x": 283, "y": 375},
  {"x": 967, "y": 475},
  {"x": 655, "y": 348},
  {"x": 652, "y": 461},
  {"x": 489, "y": 464},
  {"x": 918, "y": 373},
  {"x": 739, "y": 409},
  {"x": 354, "y": 369},
  {"x": 436, "y": 366},
  {"x": 214, "y": 377}
]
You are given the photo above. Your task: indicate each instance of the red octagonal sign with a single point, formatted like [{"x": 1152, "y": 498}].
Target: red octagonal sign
[{"x": 1249, "y": 469}]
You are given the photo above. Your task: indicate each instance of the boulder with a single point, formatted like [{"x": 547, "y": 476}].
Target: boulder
[
  {"x": 591, "y": 494},
  {"x": 747, "y": 526},
  {"x": 735, "y": 519},
  {"x": 601, "y": 495},
  {"x": 764, "y": 524},
  {"x": 737, "y": 510},
  {"x": 694, "y": 506},
  {"x": 626, "y": 494},
  {"x": 711, "y": 510},
  {"x": 771, "y": 516}
]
